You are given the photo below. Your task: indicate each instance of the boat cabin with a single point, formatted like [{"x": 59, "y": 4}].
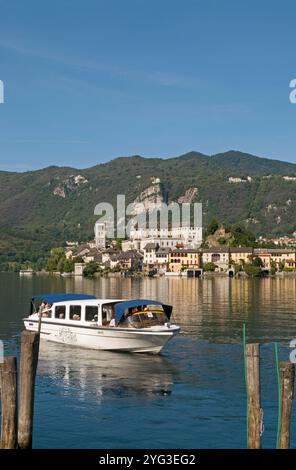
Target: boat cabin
[{"x": 75, "y": 309}]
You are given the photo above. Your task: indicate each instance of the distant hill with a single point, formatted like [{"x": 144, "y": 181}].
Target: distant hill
[{"x": 48, "y": 206}]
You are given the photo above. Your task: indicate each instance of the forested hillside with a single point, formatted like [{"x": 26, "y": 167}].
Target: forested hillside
[{"x": 40, "y": 209}]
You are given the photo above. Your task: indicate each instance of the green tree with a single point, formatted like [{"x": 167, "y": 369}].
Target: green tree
[
  {"x": 213, "y": 226},
  {"x": 51, "y": 265},
  {"x": 273, "y": 267},
  {"x": 60, "y": 264},
  {"x": 68, "y": 266},
  {"x": 57, "y": 253},
  {"x": 209, "y": 266},
  {"x": 281, "y": 266},
  {"x": 241, "y": 236},
  {"x": 55, "y": 261},
  {"x": 257, "y": 262},
  {"x": 252, "y": 270},
  {"x": 90, "y": 269},
  {"x": 237, "y": 267},
  {"x": 222, "y": 241}
]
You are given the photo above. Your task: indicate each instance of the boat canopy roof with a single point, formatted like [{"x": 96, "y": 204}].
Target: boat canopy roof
[
  {"x": 52, "y": 298},
  {"x": 122, "y": 306}
]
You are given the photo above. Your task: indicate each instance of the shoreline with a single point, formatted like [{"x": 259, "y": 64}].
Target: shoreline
[{"x": 239, "y": 275}]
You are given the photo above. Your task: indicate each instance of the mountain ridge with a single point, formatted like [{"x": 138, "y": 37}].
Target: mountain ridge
[{"x": 190, "y": 154}]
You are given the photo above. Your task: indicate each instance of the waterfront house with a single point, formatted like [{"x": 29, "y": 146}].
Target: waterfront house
[
  {"x": 78, "y": 269},
  {"x": 109, "y": 253},
  {"x": 217, "y": 255},
  {"x": 130, "y": 260},
  {"x": 150, "y": 251},
  {"x": 265, "y": 256},
  {"x": 182, "y": 259},
  {"x": 282, "y": 258},
  {"x": 69, "y": 252},
  {"x": 93, "y": 255},
  {"x": 162, "y": 258},
  {"x": 240, "y": 255},
  {"x": 82, "y": 250},
  {"x": 113, "y": 262}
]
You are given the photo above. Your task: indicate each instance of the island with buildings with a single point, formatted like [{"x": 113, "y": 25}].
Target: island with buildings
[{"x": 176, "y": 252}]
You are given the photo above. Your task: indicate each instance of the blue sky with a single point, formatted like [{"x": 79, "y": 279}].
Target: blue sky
[{"x": 87, "y": 81}]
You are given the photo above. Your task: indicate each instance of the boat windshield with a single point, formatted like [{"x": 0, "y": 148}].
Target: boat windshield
[{"x": 142, "y": 317}]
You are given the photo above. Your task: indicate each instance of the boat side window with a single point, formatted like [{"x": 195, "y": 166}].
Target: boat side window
[
  {"x": 106, "y": 314},
  {"x": 60, "y": 312},
  {"x": 91, "y": 313},
  {"x": 75, "y": 312}
]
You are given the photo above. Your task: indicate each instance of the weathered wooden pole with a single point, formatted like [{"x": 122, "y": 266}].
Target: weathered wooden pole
[
  {"x": 8, "y": 378},
  {"x": 40, "y": 321},
  {"x": 28, "y": 367},
  {"x": 253, "y": 392},
  {"x": 287, "y": 374}
]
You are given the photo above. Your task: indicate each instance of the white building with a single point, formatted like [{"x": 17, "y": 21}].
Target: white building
[
  {"x": 78, "y": 269},
  {"x": 162, "y": 258},
  {"x": 187, "y": 237},
  {"x": 100, "y": 235},
  {"x": 289, "y": 178},
  {"x": 150, "y": 254},
  {"x": 235, "y": 179},
  {"x": 127, "y": 245}
]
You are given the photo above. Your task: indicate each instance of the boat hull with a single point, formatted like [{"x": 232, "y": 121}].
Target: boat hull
[{"x": 148, "y": 340}]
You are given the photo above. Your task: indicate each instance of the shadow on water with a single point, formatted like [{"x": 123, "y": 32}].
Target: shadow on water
[{"x": 100, "y": 373}]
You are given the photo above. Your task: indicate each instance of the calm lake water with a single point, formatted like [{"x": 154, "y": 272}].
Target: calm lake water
[{"x": 192, "y": 396}]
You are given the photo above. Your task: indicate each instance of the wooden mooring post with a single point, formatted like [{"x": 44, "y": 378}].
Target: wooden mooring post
[
  {"x": 8, "y": 380},
  {"x": 253, "y": 393},
  {"x": 287, "y": 374},
  {"x": 28, "y": 367}
]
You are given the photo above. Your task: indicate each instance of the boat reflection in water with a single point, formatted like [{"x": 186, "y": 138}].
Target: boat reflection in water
[{"x": 92, "y": 374}]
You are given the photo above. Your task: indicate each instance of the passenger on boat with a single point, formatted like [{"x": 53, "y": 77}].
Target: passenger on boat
[
  {"x": 136, "y": 310},
  {"x": 41, "y": 308},
  {"x": 46, "y": 311}
]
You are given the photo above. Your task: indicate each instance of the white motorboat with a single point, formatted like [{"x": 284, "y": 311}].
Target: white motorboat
[{"x": 102, "y": 324}]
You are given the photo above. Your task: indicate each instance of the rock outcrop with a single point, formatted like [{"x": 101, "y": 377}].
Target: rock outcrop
[
  {"x": 188, "y": 197},
  {"x": 69, "y": 185},
  {"x": 150, "y": 199}
]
